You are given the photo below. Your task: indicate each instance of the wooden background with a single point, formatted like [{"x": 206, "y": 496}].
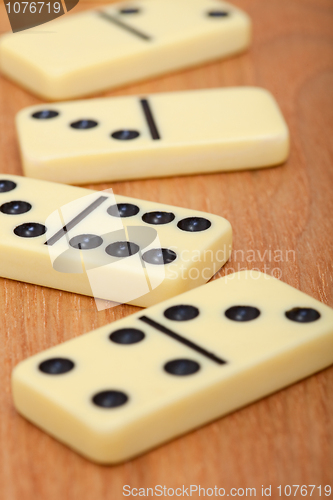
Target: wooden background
[{"x": 283, "y": 439}]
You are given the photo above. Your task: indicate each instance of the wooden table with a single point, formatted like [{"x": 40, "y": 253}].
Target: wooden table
[{"x": 284, "y": 439}]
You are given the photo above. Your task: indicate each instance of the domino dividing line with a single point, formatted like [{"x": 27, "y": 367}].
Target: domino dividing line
[
  {"x": 121, "y": 24},
  {"x": 82, "y": 215},
  {"x": 150, "y": 119},
  {"x": 182, "y": 340}
]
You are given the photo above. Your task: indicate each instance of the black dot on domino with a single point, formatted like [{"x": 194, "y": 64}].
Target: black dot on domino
[
  {"x": 242, "y": 313},
  {"x": 84, "y": 124},
  {"x": 122, "y": 249},
  {"x": 30, "y": 230},
  {"x": 194, "y": 224},
  {"x": 6, "y": 186},
  {"x": 303, "y": 314},
  {"x": 110, "y": 399},
  {"x": 130, "y": 10},
  {"x": 182, "y": 367},
  {"x": 181, "y": 313},
  {"x": 127, "y": 336},
  {"x": 46, "y": 114},
  {"x": 125, "y": 135},
  {"x": 56, "y": 366},
  {"x": 15, "y": 207},
  {"x": 218, "y": 13},
  {"x": 123, "y": 210},
  {"x": 158, "y": 217},
  {"x": 159, "y": 256},
  {"x": 86, "y": 241}
]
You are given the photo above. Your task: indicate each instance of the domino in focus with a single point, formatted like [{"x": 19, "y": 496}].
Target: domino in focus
[
  {"x": 110, "y": 247},
  {"x": 160, "y": 135},
  {"x": 129, "y": 386}
]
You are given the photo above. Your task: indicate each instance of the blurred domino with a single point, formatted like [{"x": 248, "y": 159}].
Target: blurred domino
[
  {"x": 110, "y": 247},
  {"x": 158, "y": 135},
  {"x": 120, "y": 43},
  {"x": 129, "y": 386}
]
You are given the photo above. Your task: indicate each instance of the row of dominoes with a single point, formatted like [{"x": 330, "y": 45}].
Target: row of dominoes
[{"x": 116, "y": 392}]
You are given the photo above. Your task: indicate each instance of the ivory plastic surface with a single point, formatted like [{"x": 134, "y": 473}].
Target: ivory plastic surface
[
  {"x": 152, "y": 136},
  {"x": 73, "y": 239},
  {"x": 200, "y": 355},
  {"x": 117, "y": 44}
]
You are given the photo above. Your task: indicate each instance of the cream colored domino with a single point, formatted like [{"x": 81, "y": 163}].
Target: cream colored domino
[
  {"x": 111, "y": 247},
  {"x": 120, "y": 43},
  {"x": 158, "y": 135},
  {"x": 129, "y": 386}
]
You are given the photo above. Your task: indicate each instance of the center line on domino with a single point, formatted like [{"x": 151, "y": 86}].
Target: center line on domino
[
  {"x": 123, "y": 25},
  {"x": 87, "y": 211},
  {"x": 150, "y": 119},
  {"x": 181, "y": 339}
]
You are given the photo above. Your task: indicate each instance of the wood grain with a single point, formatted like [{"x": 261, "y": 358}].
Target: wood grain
[{"x": 283, "y": 439}]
